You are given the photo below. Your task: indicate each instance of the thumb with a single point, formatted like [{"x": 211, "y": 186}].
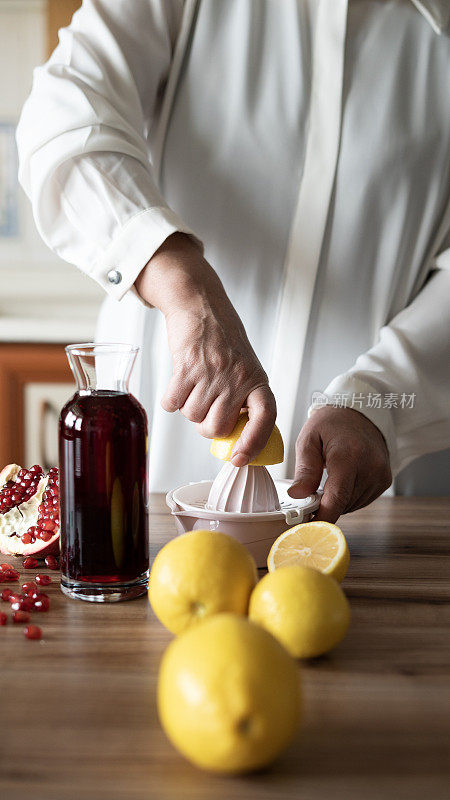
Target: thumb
[{"x": 308, "y": 468}]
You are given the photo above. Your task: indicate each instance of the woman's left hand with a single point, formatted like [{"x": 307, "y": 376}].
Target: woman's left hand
[{"x": 355, "y": 455}]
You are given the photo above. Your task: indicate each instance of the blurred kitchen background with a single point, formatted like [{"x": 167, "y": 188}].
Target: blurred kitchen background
[{"x": 44, "y": 302}]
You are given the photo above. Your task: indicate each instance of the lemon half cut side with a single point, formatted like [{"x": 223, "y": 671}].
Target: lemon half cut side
[{"x": 321, "y": 545}]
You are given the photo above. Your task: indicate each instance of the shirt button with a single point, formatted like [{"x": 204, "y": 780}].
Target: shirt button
[{"x": 114, "y": 276}]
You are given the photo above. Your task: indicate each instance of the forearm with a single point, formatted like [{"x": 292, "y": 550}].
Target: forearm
[{"x": 179, "y": 279}]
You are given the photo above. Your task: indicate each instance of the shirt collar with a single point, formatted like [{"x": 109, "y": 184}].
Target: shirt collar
[{"x": 437, "y": 12}]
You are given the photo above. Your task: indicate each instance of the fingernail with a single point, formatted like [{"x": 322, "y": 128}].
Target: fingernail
[{"x": 239, "y": 460}]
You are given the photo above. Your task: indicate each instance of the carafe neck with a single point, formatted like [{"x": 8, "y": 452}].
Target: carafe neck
[{"x": 101, "y": 366}]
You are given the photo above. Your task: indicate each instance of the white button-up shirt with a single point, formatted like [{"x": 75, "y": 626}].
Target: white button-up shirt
[{"x": 306, "y": 144}]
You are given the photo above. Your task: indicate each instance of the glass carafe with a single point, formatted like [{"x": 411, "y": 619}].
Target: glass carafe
[{"x": 103, "y": 444}]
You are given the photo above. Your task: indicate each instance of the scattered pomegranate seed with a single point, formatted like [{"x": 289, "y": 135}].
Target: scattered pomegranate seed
[
  {"x": 30, "y": 563},
  {"x": 6, "y": 566},
  {"x": 6, "y": 594},
  {"x": 43, "y": 580},
  {"x": 29, "y": 587},
  {"x": 52, "y": 562},
  {"x": 37, "y": 595},
  {"x": 9, "y": 575},
  {"x": 23, "y": 604},
  {"x": 42, "y": 603},
  {"x": 19, "y": 617},
  {"x": 33, "y": 632},
  {"x": 3, "y": 618},
  {"x": 14, "y": 597}
]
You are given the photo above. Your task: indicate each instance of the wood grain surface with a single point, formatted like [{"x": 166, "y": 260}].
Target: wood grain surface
[{"x": 77, "y": 709}]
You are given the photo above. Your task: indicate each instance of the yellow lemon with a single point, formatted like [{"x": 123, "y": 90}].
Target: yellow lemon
[
  {"x": 272, "y": 453},
  {"x": 306, "y": 610},
  {"x": 228, "y": 695},
  {"x": 198, "y": 574},
  {"x": 320, "y": 545}
]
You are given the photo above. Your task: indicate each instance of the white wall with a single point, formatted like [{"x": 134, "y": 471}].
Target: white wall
[{"x": 41, "y": 297}]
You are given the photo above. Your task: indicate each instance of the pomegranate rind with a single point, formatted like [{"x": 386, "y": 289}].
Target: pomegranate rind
[{"x": 8, "y": 473}]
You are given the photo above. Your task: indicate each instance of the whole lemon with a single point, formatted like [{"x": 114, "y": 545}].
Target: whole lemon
[
  {"x": 228, "y": 695},
  {"x": 305, "y": 609},
  {"x": 198, "y": 574}
]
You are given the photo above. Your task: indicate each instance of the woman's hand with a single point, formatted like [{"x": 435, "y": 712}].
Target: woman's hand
[
  {"x": 215, "y": 370},
  {"x": 355, "y": 455}
]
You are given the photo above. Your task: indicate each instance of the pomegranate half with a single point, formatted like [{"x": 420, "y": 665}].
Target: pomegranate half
[{"x": 29, "y": 511}]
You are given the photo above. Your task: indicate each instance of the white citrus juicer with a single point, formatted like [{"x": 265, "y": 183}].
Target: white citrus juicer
[{"x": 242, "y": 501}]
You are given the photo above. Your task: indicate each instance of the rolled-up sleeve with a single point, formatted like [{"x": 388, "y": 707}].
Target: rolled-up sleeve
[
  {"x": 83, "y": 138},
  {"x": 408, "y": 367}
]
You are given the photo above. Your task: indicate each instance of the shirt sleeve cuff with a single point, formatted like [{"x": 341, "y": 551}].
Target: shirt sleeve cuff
[
  {"x": 132, "y": 248},
  {"x": 348, "y": 391}
]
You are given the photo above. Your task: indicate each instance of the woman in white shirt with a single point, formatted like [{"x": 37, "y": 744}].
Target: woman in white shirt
[{"x": 305, "y": 145}]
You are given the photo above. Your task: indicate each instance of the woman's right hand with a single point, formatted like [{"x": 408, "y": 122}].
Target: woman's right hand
[{"x": 215, "y": 370}]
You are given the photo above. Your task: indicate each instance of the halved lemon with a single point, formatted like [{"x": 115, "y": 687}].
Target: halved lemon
[
  {"x": 321, "y": 545},
  {"x": 272, "y": 453}
]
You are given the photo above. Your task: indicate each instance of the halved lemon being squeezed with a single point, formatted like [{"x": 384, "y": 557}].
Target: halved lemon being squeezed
[
  {"x": 272, "y": 453},
  {"x": 321, "y": 545}
]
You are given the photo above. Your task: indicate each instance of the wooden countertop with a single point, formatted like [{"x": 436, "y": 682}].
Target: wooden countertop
[{"x": 77, "y": 709}]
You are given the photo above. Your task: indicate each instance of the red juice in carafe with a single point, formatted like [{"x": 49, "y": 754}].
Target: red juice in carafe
[{"x": 103, "y": 496}]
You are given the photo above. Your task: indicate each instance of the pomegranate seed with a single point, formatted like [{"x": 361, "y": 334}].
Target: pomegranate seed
[
  {"x": 32, "y": 530},
  {"x": 43, "y": 580},
  {"x": 48, "y": 525},
  {"x": 10, "y": 575},
  {"x": 29, "y": 587},
  {"x": 6, "y": 566},
  {"x": 26, "y": 538},
  {"x": 33, "y": 632},
  {"x": 24, "y": 604},
  {"x": 19, "y": 617},
  {"x": 41, "y": 508},
  {"x": 14, "y": 597},
  {"x": 41, "y": 603},
  {"x": 51, "y": 562},
  {"x": 45, "y": 535},
  {"x": 6, "y": 594},
  {"x": 3, "y": 618},
  {"x": 36, "y": 468},
  {"x": 30, "y": 563},
  {"x": 37, "y": 595}
]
